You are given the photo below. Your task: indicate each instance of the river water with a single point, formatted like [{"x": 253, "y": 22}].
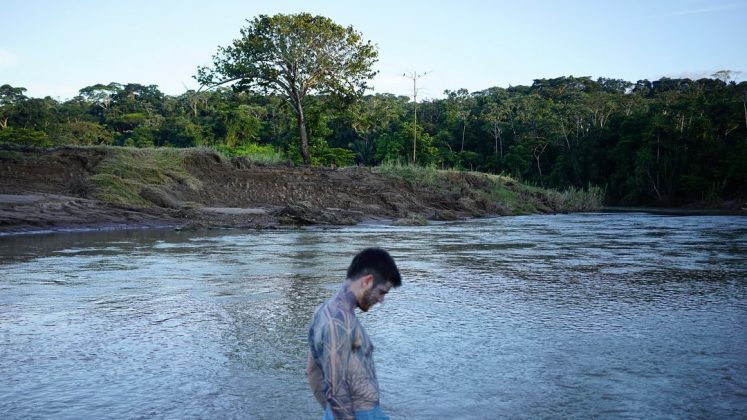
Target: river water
[{"x": 584, "y": 316}]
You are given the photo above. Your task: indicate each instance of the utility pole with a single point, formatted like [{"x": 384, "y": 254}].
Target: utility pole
[{"x": 414, "y": 76}]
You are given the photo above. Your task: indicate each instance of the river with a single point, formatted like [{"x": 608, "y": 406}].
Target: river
[{"x": 583, "y": 316}]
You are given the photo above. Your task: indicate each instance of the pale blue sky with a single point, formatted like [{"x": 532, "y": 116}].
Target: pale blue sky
[{"x": 56, "y": 47}]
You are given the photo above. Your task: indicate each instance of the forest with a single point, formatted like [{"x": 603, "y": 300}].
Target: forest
[{"x": 668, "y": 142}]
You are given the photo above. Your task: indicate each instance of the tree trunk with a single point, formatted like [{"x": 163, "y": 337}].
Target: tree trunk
[
  {"x": 655, "y": 186},
  {"x": 539, "y": 168},
  {"x": 538, "y": 150},
  {"x": 498, "y": 139},
  {"x": 193, "y": 105},
  {"x": 682, "y": 123},
  {"x": 464, "y": 128},
  {"x": 304, "y": 137},
  {"x": 513, "y": 128},
  {"x": 297, "y": 100},
  {"x": 565, "y": 135}
]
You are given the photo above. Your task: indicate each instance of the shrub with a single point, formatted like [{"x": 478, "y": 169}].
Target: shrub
[
  {"x": 258, "y": 153},
  {"x": 25, "y": 136}
]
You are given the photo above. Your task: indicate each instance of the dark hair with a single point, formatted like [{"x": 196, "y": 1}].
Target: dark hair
[{"x": 378, "y": 262}]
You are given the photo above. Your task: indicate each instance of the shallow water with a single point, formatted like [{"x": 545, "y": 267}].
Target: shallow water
[{"x": 587, "y": 315}]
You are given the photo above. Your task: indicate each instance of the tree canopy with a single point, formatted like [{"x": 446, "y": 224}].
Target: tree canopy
[
  {"x": 665, "y": 142},
  {"x": 292, "y": 56}
]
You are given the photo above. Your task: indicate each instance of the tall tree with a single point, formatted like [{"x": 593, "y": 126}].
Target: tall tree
[
  {"x": 100, "y": 94},
  {"x": 292, "y": 56},
  {"x": 461, "y": 104},
  {"x": 495, "y": 116},
  {"x": 370, "y": 118}
]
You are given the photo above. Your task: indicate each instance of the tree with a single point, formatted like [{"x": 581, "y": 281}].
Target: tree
[
  {"x": 24, "y": 136},
  {"x": 9, "y": 96},
  {"x": 84, "y": 133},
  {"x": 99, "y": 94},
  {"x": 292, "y": 56},
  {"x": 34, "y": 113},
  {"x": 370, "y": 118},
  {"x": 494, "y": 115},
  {"x": 460, "y": 104}
]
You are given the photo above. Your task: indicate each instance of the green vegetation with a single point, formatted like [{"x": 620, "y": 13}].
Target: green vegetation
[
  {"x": 582, "y": 199},
  {"x": 11, "y": 155},
  {"x": 668, "y": 142},
  {"x": 414, "y": 175},
  {"x": 123, "y": 174},
  {"x": 265, "y": 154},
  {"x": 292, "y": 56},
  {"x": 24, "y": 136},
  {"x": 511, "y": 195}
]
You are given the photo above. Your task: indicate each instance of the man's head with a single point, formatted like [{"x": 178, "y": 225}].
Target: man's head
[{"x": 373, "y": 272}]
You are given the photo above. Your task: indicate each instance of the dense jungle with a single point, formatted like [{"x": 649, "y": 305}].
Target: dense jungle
[{"x": 669, "y": 142}]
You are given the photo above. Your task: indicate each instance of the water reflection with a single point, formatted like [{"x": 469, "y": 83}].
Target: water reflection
[{"x": 543, "y": 316}]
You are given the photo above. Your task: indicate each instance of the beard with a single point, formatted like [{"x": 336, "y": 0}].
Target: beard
[{"x": 367, "y": 300}]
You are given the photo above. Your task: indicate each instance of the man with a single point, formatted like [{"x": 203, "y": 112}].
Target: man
[{"x": 341, "y": 369}]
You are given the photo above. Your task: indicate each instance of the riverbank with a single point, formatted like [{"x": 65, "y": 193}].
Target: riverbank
[
  {"x": 112, "y": 187},
  {"x": 729, "y": 209}
]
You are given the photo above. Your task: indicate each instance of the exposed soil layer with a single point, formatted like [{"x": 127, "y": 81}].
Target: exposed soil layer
[
  {"x": 50, "y": 189},
  {"x": 62, "y": 189}
]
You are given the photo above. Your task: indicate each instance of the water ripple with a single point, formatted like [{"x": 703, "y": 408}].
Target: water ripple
[{"x": 589, "y": 315}]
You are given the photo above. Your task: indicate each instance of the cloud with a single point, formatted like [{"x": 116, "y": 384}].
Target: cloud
[{"x": 7, "y": 59}]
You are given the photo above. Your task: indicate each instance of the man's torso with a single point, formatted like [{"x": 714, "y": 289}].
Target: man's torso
[{"x": 357, "y": 368}]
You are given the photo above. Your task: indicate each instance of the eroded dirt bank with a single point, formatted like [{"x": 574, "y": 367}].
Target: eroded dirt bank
[{"x": 100, "y": 187}]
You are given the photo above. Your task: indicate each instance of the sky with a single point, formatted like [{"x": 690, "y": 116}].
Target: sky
[{"x": 55, "y": 48}]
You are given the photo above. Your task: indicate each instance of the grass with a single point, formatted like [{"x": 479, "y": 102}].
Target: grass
[
  {"x": 504, "y": 191},
  {"x": 11, "y": 155},
  {"x": 579, "y": 199},
  {"x": 270, "y": 158},
  {"x": 265, "y": 154},
  {"x": 116, "y": 190},
  {"x": 125, "y": 171},
  {"x": 417, "y": 176}
]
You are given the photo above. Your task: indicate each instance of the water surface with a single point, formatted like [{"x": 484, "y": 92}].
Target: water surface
[{"x": 587, "y": 315}]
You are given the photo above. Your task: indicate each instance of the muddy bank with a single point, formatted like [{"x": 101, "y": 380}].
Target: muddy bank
[
  {"x": 106, "y": 187},
  {"x": 730, "y": 208}
]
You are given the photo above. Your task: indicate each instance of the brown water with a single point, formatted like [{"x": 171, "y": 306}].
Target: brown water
[{"x": 590, "y": 315}]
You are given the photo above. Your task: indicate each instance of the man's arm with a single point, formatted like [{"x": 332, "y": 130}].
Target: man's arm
[
  {"x": 337, "y": 347},
  {"x": 314, "y": 376}
]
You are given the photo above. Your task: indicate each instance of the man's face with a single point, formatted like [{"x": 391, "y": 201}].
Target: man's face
[{"x": 373, "y": 295}]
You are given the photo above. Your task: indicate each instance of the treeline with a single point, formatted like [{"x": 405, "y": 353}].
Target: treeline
[{"x": 666, "y": 142}]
